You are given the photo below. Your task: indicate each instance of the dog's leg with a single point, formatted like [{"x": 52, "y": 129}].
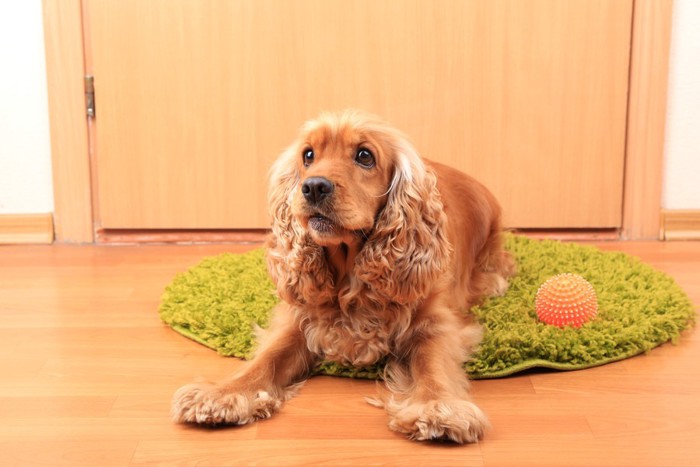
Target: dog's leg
[
  {"x": 273, "y": 376},
  {"x": 429, "y": 390},
  {"x": 494, "y": 267}
]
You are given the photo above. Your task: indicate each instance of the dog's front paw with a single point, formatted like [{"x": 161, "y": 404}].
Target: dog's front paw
[
  {"x": 210, "y": 405},
  {"x": 454, "y": 420}
]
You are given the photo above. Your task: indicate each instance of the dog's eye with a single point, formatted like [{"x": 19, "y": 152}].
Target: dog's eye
[
  {"x": 364, "y": 158},
  {"x": 308, "y": 157}
]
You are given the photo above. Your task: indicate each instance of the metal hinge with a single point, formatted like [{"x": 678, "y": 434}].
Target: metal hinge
[{"x": 90, "y": 96}]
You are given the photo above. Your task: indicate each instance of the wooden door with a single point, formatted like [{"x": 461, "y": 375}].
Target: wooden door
[{"x": 196, "y": 98}]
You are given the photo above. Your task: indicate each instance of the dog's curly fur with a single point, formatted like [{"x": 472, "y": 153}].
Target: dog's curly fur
[{"x": 381, "y": 265}]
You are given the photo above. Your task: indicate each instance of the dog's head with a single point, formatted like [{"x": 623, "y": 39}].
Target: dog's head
[
  {"x": 351, "y": 178},
  {"x": 346, "y": 164}
]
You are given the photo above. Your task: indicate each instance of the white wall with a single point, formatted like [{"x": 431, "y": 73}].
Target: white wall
[
  {"x": 25, "y": 164},
  {"x": 682, "y": 164},
  {"x": 25, "y": 154}
]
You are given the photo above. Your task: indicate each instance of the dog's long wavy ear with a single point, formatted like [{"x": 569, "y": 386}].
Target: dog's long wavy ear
[
  {"x": 296, "y": 265},
  {"x": 408, "y": 249}
]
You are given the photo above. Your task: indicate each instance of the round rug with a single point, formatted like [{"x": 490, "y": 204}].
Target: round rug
[{"x": 219, "y": 302}]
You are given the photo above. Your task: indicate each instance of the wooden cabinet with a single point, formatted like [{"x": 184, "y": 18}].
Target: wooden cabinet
[{"x": 196, "y": 98}]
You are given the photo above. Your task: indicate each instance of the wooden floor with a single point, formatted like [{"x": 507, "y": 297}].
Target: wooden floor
[{"x": 88, "y": 371}]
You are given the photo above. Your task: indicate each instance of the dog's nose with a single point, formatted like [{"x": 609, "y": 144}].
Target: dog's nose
[{"x": 316, "y": 189}]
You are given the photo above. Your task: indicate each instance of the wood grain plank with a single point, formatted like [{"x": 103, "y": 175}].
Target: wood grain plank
[
  {"x": 306, "y": 452},
  {"x": 69, "y": 453}
]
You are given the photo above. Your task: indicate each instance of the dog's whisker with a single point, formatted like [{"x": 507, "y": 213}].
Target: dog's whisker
[{"x": 364, "y": 234}]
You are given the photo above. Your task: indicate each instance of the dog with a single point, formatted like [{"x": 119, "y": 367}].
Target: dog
[{"x": 377, "y": 256}]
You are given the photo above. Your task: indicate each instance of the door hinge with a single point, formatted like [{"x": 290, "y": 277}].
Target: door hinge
[{"x": 90, "y": 96}]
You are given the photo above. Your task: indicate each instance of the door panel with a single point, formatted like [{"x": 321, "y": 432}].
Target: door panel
[{"x": 196, "y": 98}]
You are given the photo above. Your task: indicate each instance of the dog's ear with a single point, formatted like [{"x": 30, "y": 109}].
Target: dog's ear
[
  {"x": 408, "y": 249},
  {"x": 296, "y": 265}
]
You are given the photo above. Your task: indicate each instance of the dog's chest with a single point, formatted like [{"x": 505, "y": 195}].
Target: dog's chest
[{"x": 358, "y": 339}]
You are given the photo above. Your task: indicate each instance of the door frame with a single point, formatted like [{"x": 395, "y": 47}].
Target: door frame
[
  {"x": 65, "y": 70},
  {"x": 74, "y": 217}
]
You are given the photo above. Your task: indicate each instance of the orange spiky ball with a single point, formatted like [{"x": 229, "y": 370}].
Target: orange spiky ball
[{"x": 566, "y": 300}]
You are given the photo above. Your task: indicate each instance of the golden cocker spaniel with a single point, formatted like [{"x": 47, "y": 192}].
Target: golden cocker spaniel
[{"x": 377, "y": 255}]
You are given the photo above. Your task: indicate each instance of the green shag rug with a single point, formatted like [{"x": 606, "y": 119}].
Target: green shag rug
[{"x": 218, "y": 302}]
